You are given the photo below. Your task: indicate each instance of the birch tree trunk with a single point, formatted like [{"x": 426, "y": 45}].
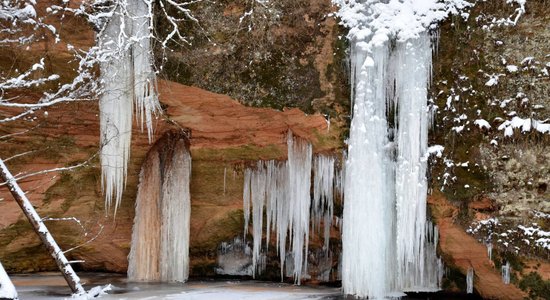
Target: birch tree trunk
[
  {"x": 7, "y": 290},
  {"x": 40, "y": 229}
]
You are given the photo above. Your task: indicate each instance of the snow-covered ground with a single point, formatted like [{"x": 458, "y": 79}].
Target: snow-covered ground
[{"x": 52, "y": 286}]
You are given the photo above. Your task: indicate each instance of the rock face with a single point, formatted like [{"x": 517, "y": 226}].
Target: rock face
[
  {"x": 215, "y": 123},
  {"x": 289, "y": 54}
]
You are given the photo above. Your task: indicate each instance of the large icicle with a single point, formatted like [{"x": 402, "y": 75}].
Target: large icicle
[
  {"x": 115, "y": 107},
  {"x": 160, "y": 237},
  {"x": 145, "y": 79},
  {"x": 412, "y": 66},
  {"x": 127, "y": 75},
  {"x": 299, "y": 177},
  {"x": 322, "y": 205},
  {"x": 368, "y": 229}
]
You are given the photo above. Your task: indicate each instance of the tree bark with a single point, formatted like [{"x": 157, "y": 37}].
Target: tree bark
[{"x": 66, "y": 269}]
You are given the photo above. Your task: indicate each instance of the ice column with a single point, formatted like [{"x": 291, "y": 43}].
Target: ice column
[
  {"x": 411, "y": 67},
  {"x": 368, "y": 222},
  {"x": 388, "y": 244},
  {"x": 160, "y": 236}
]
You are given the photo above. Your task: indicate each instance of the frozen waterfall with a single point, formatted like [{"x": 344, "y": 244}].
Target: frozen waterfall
[
  {"x": 160, "y": 235},
  {"x": 389, "y": 246},
  {"x": 127, "y": 76}
]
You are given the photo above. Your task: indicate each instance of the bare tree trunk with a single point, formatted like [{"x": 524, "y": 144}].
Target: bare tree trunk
[
  {"x": 40, "y": 229},
  {"x": 7, "y": 290}
]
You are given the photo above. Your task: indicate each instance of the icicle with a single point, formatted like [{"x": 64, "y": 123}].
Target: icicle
[
  {"x": 145, "y": 81},
  {"x": 160, "y": 236},
  {"x": 470, "y": 281},
  {"x": 127, "y": 75},
  {"x": 299, "y": 183},
  {"x": 506, "y": 273},
  {"x": 224, "y": 179},
  {"x": 115, "y": 106},
  {"x": 490, "y": 250},
  {"x": 322, "y": 205},
  {"x": 258, "y": 193},
  {"x": 284, "y": 190},
  {"x": 246, "y": 199}
]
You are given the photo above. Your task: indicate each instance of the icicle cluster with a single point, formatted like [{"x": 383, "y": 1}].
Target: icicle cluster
[
  {"x": 127, "y": 76},
  {"x": 284, "y": 190},
  {"x": 388, "y": 245},
  {"x": 160, "y": 236}
]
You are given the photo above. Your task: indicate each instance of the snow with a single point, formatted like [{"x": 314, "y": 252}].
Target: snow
[
  {"x": 93, "y": 293},
  {"x": 437, "y": 150},
  {"x": 493, "y": 80},
  {"x": 7, "y": 290},
  {"x": 526, "y": 125},
  {"x": 482, "y": 124},
  {"x": 512, "y": 68},
  {"x": 196, "y": 290}
]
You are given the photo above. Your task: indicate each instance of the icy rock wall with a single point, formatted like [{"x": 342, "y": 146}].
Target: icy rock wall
[{"x": 160, "y": 236}]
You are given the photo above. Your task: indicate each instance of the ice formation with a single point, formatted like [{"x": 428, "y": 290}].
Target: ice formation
[
  {"x": 388, "y": 244},
  {"x": 506, "y": 273},
  {"x": 160, "y": 236},
  {"x": 284, "y": 190},
  {"x": 127, "y": 77},
  {"x": 470, "y": 281},
  {"x": 322, "y": 205},
  {"x": 235, "y": 258}
]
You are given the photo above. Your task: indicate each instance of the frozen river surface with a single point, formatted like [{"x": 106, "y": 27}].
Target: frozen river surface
[{"x": 49, "y": 286}]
